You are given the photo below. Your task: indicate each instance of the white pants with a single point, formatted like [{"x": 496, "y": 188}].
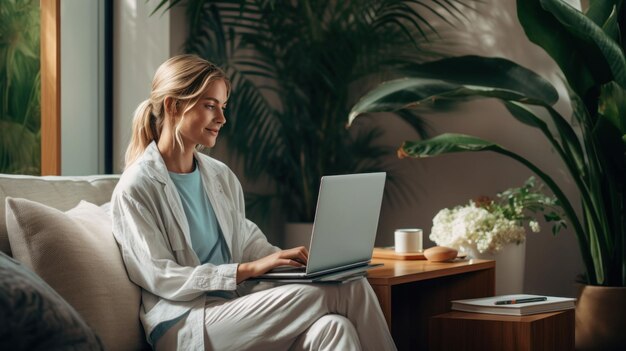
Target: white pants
[{"x": 296, "y": 317}]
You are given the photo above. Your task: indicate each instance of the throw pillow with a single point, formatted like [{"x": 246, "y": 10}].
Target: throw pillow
[
  {"x": 34, "y": 317},
  {"x": 76, "y": 254}
]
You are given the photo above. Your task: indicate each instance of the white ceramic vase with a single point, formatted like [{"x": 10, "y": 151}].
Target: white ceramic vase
[{"x": 510, "y": 263}]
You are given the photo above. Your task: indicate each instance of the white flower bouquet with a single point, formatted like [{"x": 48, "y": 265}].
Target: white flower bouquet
[{"x": 489, "y": 225}]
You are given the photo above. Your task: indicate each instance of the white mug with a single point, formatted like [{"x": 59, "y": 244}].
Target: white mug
[{"x": 408, "y": 240}]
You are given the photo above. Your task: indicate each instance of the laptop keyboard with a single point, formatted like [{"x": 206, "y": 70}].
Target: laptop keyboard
[{"x": 289, "y": 269}]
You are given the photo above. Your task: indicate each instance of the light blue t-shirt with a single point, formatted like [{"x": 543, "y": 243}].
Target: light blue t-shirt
[
  {"x": 206, "y": 236},
  {"x": 207, "y": 239}
]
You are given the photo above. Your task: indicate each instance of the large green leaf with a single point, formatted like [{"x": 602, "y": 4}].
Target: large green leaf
[
  {"x": 582, "y": 27},
  {"x": 542, "y": 28},
  {"x": 585, "y": 54},
  {"x": 611, "y": 25},
  {"x": 463, "y": 77},
  {"x": 600, "y": 10},
  {"x": 612, "y": 149},
  {"x": 445, "y": 144},
  {"x": 489, "y": 72},
  {"x": 413, "y": 92},
  {"x": 613, "y": 106}
]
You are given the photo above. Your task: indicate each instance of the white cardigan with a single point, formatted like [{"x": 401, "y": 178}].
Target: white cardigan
[{"x": 151, "y": 229}]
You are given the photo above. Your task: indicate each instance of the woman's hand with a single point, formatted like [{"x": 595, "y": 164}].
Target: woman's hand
[{"x": 297, "y": 257}]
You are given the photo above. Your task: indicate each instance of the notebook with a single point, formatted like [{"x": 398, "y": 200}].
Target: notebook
[
  {"x": 515, "y": 305},
  {"x": 344, "y": 230}
]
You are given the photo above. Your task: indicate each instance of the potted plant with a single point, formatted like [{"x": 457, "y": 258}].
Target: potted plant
[
  {"x": 296, "y": 68},
  {"x": 20, "y": 87},
  {"x": 589, "y": 49}
]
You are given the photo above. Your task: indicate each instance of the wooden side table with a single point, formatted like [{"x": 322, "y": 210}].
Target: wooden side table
[
  {"x": 410, "y": 292},
  {"x": 478, "y": 331}
]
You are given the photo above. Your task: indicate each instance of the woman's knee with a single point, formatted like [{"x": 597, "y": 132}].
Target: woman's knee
[
  {"x": 334, "y": 332},
  {"x": 336, "y": 323}
]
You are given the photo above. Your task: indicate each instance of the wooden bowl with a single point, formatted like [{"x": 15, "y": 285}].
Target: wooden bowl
[{"x": 440, "y": 254}]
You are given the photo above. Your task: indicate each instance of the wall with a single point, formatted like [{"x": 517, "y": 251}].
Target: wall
[
  {"x": 141, "y": 44},
  {"x": 82, "y": 93},
  {"x": 552, "y": 262}
]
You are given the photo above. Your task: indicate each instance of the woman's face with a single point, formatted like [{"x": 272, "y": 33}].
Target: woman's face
[{"x": 202, "y": 123}]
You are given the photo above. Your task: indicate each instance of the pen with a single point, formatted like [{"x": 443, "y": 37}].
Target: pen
[{"x": 530, "y": 299}]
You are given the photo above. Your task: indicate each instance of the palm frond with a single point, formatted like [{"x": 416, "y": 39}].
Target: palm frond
[{"x": 294, "y": 67}]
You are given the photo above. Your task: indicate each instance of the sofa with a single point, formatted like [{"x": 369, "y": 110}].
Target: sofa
[{"x": 63, "y": 284}]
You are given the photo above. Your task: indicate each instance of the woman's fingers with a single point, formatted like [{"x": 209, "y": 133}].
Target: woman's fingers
[
  {"x": 302, "y": 258},
  {"x": 304, "y": 255},
  {"x": 296, "y": 257},
  {"x": 294, "y": 263},
  {"x": 292, "y": 257},
  {"x": 300, "y": 254}
]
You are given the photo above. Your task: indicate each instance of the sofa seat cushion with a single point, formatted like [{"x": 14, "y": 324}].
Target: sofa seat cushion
[
  {"x": 76, "y": 254},
  {"x": 34, "y": 317}
]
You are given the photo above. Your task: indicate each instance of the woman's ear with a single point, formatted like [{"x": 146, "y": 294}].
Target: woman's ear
[{"x": 171, "y": 106}]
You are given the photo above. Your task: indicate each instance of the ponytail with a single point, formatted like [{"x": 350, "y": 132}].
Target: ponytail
[{"x": 144, "y": 131}]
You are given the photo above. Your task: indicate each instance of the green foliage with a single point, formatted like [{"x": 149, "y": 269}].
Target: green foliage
[
  {"x": 296, "y": 68},
  {"x": 19, "y": 87},
  {"x": 588, "y": 48},
  {"x": 520, "y": 204}
]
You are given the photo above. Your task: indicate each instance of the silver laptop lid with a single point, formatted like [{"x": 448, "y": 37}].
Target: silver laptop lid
[{"x": 346, "y": 220}]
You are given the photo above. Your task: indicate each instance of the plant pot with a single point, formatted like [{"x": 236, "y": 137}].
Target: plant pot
[
  {"x": 297, "y": 234},
  {"x": 600, "y": 318},
  {"x": 510, "y": 263}
]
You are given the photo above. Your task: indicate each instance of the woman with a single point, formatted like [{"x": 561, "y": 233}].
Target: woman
[{"x": 178, "y": 217}]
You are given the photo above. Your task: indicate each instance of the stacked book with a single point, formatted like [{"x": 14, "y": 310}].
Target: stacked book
[{"x": 515, "y": 305}]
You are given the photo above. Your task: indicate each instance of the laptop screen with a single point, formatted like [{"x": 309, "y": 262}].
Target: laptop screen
[{"x": 346, "y": 220}]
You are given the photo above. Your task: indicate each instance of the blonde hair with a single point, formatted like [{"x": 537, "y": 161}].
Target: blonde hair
[{"x": 183, "y": 78}]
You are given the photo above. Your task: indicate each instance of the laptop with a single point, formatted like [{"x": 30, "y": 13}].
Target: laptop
[{"x": 344, "y": 230}]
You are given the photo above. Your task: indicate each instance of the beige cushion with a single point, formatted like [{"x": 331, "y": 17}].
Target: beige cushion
[
  {"x": 76, "y": 254},
  {"x": 60, "y": 192}
]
